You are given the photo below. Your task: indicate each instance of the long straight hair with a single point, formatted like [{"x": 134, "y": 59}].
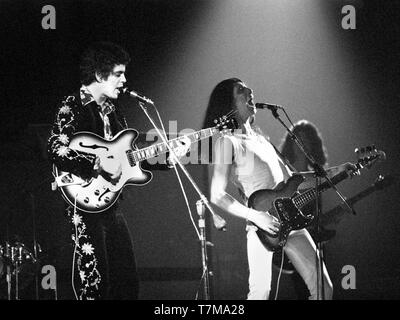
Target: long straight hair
[
  {"x": 315, "y": 147},
  {"x": 220, "y": 102}
]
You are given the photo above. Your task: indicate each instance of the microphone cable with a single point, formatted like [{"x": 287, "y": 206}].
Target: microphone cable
[
  {"x": 74, "y": 253},
  {"x": 176, "y": 172}
]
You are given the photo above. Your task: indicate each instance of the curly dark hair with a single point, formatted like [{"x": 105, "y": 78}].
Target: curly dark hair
[
  {"x": 101, "y": 58},
  {"x": 313, "y": 142}
]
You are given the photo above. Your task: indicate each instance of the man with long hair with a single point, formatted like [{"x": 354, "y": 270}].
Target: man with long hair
[{"x": 249, "y": 161}]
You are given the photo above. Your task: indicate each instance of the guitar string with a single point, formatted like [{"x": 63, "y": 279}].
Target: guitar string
[{"x": 199, "y": 133}]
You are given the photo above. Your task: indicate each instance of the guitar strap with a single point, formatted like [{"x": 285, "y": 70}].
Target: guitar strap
[{"x": 284, "y": 159}]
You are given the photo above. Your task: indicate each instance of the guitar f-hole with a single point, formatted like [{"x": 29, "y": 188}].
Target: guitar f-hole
[
  {"x": 93, "y": 146},
  {"x": 105, "y": 191}
]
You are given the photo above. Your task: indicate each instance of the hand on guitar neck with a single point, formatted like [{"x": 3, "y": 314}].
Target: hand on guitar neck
[
  {"x": 107, "y": 169},
  {"x": 180, "y": 151},
  {"x": 348, "y": 167}
]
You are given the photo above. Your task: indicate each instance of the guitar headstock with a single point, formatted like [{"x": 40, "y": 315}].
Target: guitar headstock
[
  {"x": 226, "y": 123},
  {"x": 367, "y": 156},
  {"x": 382, "y": 182}
]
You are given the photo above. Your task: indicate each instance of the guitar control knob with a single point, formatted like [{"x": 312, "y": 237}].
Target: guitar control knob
[
  {"x": 97, "y": 192},
  {"x": 106, "y": 199},
  {"x": 86, "y": 200}
]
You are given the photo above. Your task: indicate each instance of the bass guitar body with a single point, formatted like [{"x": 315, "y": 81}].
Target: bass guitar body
[{"x": 278, "y": 202}]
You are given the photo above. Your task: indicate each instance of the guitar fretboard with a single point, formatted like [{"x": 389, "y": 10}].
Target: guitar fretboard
[
  {"x": 310, "y": 195},
  {"x": 135, "y": 156}
]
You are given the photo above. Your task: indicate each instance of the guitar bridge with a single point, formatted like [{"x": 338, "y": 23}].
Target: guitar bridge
[{"x": 67, "y": 179}]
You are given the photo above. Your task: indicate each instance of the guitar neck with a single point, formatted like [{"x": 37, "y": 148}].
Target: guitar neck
[
  {"x": 333, "y": 215},
  {"x": 161, "y": 148},
  {"x": 310, "y": 195}
]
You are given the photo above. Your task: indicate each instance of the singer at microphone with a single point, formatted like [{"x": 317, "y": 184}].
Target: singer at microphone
[
  {"x": 247, "y": 162},
  {"x": 272, "y": 107},
  {"x": 137, "y": 96}
]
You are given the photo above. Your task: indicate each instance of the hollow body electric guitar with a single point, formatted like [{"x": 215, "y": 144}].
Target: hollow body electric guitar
[
  {"x": 286, "y": 203},
  {"x": 98, "y": 194}
]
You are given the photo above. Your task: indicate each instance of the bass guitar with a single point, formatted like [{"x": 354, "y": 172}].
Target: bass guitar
[
  {"x": 286, "y": 203},
  {"x": 98, "y": 194},
  {"x": 330, "y": 217}
]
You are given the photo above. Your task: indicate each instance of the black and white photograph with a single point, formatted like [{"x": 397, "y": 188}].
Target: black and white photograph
[{"x": 180, "y": 151}]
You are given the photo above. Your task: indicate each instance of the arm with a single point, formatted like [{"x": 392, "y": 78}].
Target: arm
[
  {"x": 219, "y": 196},
  {"x": 309, "y": 181},
  {"x": 65, "y": 125}
]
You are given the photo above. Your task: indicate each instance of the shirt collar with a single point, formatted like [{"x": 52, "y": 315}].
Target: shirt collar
[{"x": 86, "y": 98}]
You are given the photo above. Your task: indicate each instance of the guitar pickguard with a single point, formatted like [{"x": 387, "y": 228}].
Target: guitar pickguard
[{"x": 291, "y": 215}]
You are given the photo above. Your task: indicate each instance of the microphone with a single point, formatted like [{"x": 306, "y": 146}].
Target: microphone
[
  {"x": 137, "y": 96},
  {"x": 269, "y": 106}
]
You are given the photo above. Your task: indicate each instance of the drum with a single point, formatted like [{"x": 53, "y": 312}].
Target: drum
[{"x": 20, "y": 262}]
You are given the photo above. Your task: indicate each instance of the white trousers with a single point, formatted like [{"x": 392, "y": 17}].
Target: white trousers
[{"x": 300, "y": 249}]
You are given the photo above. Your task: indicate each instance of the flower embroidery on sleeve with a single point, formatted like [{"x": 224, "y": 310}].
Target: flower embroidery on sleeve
[
  {"x": 62, "y": 151},
  {"x": 65, "y": 109},
  {"x": 63, "y": 138}
]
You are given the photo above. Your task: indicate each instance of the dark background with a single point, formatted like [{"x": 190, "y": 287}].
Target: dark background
[{"x": 294, "y": 53}]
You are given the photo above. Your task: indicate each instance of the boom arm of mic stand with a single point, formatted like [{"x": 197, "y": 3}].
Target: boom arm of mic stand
[
  {"x": 321, "y": 172},
  {"x": 219, "y": 222}
]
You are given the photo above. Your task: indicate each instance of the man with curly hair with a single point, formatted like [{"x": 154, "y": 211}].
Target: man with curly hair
[{"x": 104, "y": 264}]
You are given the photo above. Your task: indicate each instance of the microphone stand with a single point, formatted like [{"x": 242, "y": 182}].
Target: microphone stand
[
  {"x": 320, "y": 172},
  {"x": 219, "y": 223},
  {"x": 9, "y": 270},
  {"x": 7, "y": 255},
  {"x": 35, "y": 244},
  {"x": 203, "y": 242}
]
